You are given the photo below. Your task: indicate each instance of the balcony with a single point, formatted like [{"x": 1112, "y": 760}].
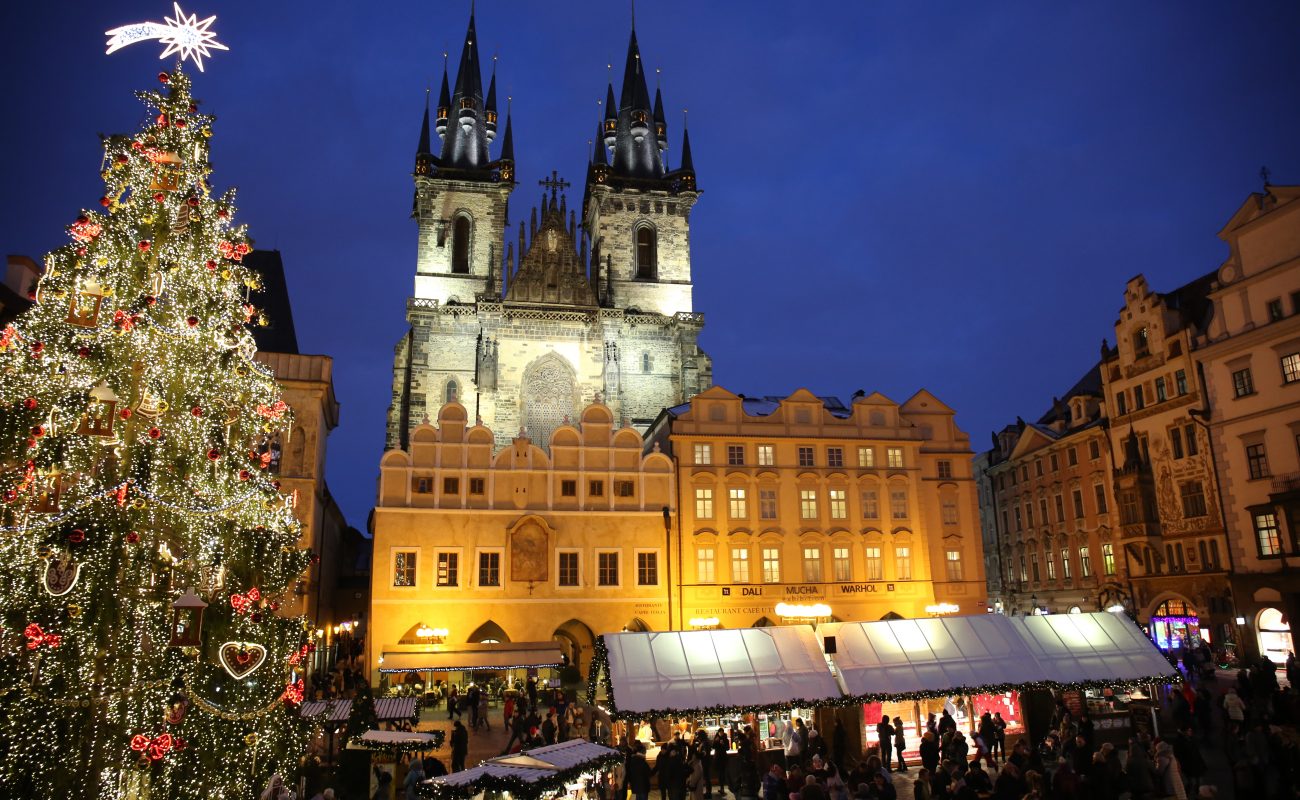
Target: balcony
[{"x": 1285, "y": 487}]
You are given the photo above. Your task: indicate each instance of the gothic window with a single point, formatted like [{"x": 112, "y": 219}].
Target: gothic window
[
  {"x": 460, "y": 245},
  {"x": 549, "y": 394},
  {"x": 646, "y": 256},
  {"x": 451, "y": 393}
]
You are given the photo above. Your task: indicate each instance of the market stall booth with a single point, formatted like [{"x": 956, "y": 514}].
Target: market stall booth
[
  {"x": 332, "y": 715},
  {"x": 570, "y": 769},
  {"x": 413, "y": 669},
  {"x": 389, "y": 751}
]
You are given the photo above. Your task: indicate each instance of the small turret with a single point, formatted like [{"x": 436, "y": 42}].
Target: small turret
[
  {"x": 610, "y": 136},
  {"x": 661, "y": 125},
  {"x": 686, "y": 172},
  {"x": 444, "y": 102},
  {"x": 507, "y": 160},
  {"x": 490, "y": 107},
  {"x": 423, "y": 158}
]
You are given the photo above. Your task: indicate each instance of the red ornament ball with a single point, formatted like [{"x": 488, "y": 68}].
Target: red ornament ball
[
  {"x": 144, "y": 246},
  {"x": 84, "y": 352},
  {"x": 275, "y": 484},
  {"x": 193, "y": 202},
  {"x": 211, "y": 265},
  {"x": 180, "y": 123},
  {"x": 214, "y": 454},
  {"x": 163, "y": 77},
  {"x": 105, "y": 202},
  {"x": 196, "y": 411},
  {"x": 38, "y": 431},
  {"x": 83, "y": 219},
  {"x": 29, "y": 403},
  {"x": 10, "y": 495},
  {"x": 245, "y": 474},
  {"x": 158, "y": 197},
  {"x": 125, "y": 413},
  {"x": 162, "y": 120},
  {"x": 223, "y": 214},
  {"x": 132, "y": 537},
  {"x": 155, "y": 433},
  {"x": 31, "y": 295},
  {"x": 193, "y": 322},
  {"x": 122, "y": 158},
  {"x": 275, "y": 606},
  {"x": 256, "y": 616},
  {"x": 38, "y": 348},
  {"x": 81, "y": 251},
  {"x": 77, "y": 536},
  {"x": 151, "y": 300},
  {"x": 31, "y": 442},
  {"x": 137, "y": 146}
]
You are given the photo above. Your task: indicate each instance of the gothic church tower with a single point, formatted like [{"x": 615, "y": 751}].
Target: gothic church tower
[{"x": 596, "y": 310}]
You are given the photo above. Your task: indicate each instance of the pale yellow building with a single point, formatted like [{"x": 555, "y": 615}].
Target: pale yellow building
[
  {"x": 869, "y": 509},
  {"x": 1251, "y": 361},
  {"x": 515, "y": 545}
]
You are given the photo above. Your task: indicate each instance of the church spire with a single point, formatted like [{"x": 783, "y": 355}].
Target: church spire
[
  {"x": 465, "y": 145},
  {"x": 661, "y": 124},
  {"x": 598, "y": 148},
  {"x": 508, "y": 141},
  {"x": 490, "y": 117},
  {"x": 636, "y": 147},
  {"x": 444, "y": 102},
  {"x": 423, "y": 157}
]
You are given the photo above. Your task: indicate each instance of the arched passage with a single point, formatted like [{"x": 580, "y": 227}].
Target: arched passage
[
  {"x": 576, "y": 641},
  {"x": 637, "y": 625},
  {"x": 488, "y": 632},
  {"x": 763, "y": 622},
  {"x": 893, "y": 615}
]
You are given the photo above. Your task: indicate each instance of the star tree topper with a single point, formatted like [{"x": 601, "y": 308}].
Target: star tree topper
[{"x": 188, "y": 36}]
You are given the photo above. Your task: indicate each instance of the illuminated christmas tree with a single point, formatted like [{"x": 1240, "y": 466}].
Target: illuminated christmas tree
[{"x": 143, "y": 542}]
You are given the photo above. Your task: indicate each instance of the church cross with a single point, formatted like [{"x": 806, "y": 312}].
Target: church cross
[{"x": 554, "y": 182}]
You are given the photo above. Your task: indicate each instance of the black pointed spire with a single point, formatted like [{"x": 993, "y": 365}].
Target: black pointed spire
[
  {"x": 465, "y": 145},
  {"x": 423, "y": 146},
  {"x": 598, "y": 147},
  {"x": 688, "y": 165},
  {"x": 508, "y": 141},
  {"x": 634, "y": 94},
  {"x": 661, "y": 124},
  {"x": 444, "y": 101},
  {"x": 490, "y": 106}
]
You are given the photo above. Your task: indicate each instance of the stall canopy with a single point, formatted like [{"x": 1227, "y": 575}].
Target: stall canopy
[
  {"x": 471, "y": 657},
  {"x": 700, "y": 671},
  {"x": 896, "y": 659},
  {"x": 387, "y": 709},
  {"x": 528, "y": 774},
  {"x": 397, "y": 741}
]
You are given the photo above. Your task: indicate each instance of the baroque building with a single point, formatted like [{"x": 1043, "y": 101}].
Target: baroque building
[
  {"x": 582, "y": 305},
  {"x": 868, "y": 509},
  {"x": 1250, "y": 358}
]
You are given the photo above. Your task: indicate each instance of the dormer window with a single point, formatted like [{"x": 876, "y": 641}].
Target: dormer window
[
  {"x": 466, "y": 103},
  {"x": 639, "y": 116},
  {"x": 610, "y": 125},
  {"x": 491, "y": 117},
  {"x": 1141, "y": 347}
]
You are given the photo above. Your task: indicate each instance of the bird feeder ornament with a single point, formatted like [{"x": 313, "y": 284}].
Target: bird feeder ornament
[
  {"x": 167, "y": 172},
  {"x": 101, "y": 413},
  {"x": 83, "y": 309},
  {"x": 187, "y": 620}
]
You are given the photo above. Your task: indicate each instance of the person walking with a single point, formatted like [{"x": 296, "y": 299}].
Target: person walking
[
  {"x": 694, "y": 774},
  {"x": 900, "y": 742},
  {"x": 721, "y": 759},
  {"x": 453, "y": 703},
  {"x": 999, "y": 736},
  {"x": 636, "y": 773},
  {"x": 459, "y": 746},
  {"x": 885, "y": 735},
  {"x": 414, "y": 777},
  {"x": 1171, "y": 778}
]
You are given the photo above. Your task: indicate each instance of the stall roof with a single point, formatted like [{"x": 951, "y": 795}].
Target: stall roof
[
  {"x": 923, "y": 656},
  {"x": 683, "y": 671},
  {"x": 967, "y": 655},
  {"x": 1100, "y": 647},
  {"x": 387, "y": 709},
  {"x": 404, "y": 740},
  {"x": 460, "y": 658},
  {"x": 540, "y": 770}
]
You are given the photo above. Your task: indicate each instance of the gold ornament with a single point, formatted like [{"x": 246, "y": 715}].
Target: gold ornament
[{"x": 74, "y": 610}]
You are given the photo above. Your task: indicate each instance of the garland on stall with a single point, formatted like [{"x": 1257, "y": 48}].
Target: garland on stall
[
  {"x": 600, "y": 672},
  {"x": 518, "y": 787},
  {"x": 407, "y": 746}
]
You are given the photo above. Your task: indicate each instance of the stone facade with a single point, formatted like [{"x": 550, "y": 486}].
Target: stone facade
[
  {"x": 1251, "y": 360},
  {"x": 868, "y": 508}
]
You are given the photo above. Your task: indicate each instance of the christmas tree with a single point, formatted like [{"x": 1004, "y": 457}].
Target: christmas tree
[{"x": 135, "y": 437}]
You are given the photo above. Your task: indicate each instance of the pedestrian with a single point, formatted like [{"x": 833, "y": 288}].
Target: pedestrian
[
  {"x": 999, "y": 736},
  {"x": 1171, "y": 778},
  {"x": 885, "y": 735},
  {"x": 1139, "y": 772},
  {"x": 721, "y": 760},
  {"x": 382, "y": 779},
  {"x": 414, "y": 776},
  {"x": 459, "y": 746},
  {"x": 1191, "y": 763},
  {"x": 946, "y": 723},
  {"x": 929, "y": 751},
  {"x": 774, "y": 787},
  {"x": 453, "y": 703},
  {"x": 900, "y": 742},
  {"x": 921, "y": 786},
  {"x": 694, "y": 774},
  {"x": 1234, "y": 706},
  {"x": 549, "y": 728},
  {"x": 703, "y": 746},
  {"x": 636, "y": 773}
]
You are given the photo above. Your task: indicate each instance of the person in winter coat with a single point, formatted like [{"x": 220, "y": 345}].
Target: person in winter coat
[
  {"x": 1170, "y": 777},
  {"x": 694, "y": 774},
  {"x": 636, "y": 773},
  {"x": 1234, "y": 706},
  {"x": 900, "y": 742},
  {"x": 721, "y": 757},
  {"x": 921, "y": 786},
  {"x": 1139, "y": 772},
  {"x": 774, "y": 787},
  {"x": 929, "y": 751},
  {"x": 1190, "y": 761},
  {"x": 459, "y": 746},
  {"x": 885, "y": 732},
  {"x": 414, "y": 776},
  {"x": 946, "y": 723}
]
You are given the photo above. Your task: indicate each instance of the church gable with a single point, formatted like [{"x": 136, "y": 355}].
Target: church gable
[{"x": 551, "y": 269}]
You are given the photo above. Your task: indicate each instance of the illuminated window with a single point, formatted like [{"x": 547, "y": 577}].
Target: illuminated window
[
  {"x": 812, "y": 564},
  {"x": 953, "y": 560},
  {"x": 448, "y": 569},
  {"x": 841, "y": 564},
  {"x": 1291, "y": 368},
  {"x": 450, "y": 392},
  {"x": 767, "y": 504},
  {"x": 1051, "y": 565},
  {"x": 738, "y": 503},
  {"x": 740, "y": 565},
  {"x": 489, "y": 569},
  {"x": 808, "y": 503},
  {"x": 903, "y": 563},
  {"x": 1024, "y": 578},
  {"x": 1108, "y": 558},
  {"x": 766, "y": 455},
  {"x": 645, "y": 253},
  {"x": 835, "y": 456},
  {"x": 866, "y": 456},
  {"x": 839, "y": 503},
  {"x": 875, "y": 564},
  {"x": 568, "y": 569},
  {"x": 771, "y": 565},
  {"x": 894, "y": 457},
  {"x": 705, "y": 565},
  {"x": 736, "y": 455},
  {"x": 1085, "y": 562},
  {"x": 404, "y": 568},
  {"x": 703, "y": 453},
  {"x": 460, "y": 245},
  {"x": 1065, "y": 563},
  {"x": 704, "y": 502},
  {"x": 806, "y": 456},
  {"x": 1266, "y": 534}
]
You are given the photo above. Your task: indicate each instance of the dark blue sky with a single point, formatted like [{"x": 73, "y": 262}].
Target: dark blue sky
[{"x": 896, "y": 195}]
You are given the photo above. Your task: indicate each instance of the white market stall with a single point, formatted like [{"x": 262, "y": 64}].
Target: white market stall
[
  {"x": 707, "y": 672},
  {"x": 1101, "y": 649},
  {"x": 530, "y": 774}
]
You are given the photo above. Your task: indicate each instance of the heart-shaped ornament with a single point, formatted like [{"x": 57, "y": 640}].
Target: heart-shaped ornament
[{"x": 241, "y": 659}]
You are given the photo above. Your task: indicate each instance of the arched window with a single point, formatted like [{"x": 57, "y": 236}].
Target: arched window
[
  {"x": 460, "y": 245},
  {"x": 451, "y": 395},
  {"x": 645, "y": 253}
]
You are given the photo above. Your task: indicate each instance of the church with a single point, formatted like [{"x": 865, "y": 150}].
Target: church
[{"x": 526, "y": 326}]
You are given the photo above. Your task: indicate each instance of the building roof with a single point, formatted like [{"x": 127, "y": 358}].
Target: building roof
[
  {"x": 768, "y": 404},
  {"x": 273, "y": 297}
]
